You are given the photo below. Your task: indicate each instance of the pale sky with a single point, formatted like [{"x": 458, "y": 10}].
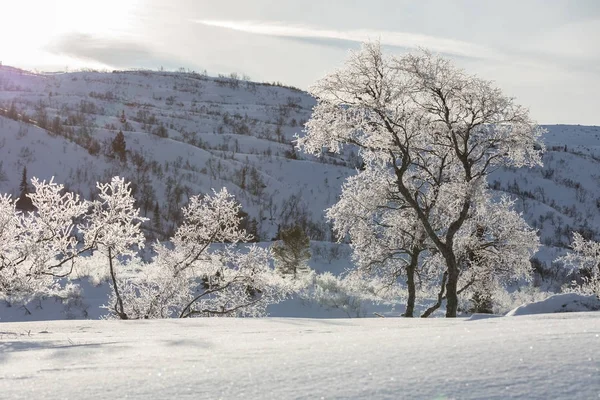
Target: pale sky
[{"x": 544, "y": 53}]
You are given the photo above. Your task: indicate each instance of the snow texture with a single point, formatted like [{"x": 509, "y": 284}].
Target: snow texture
[
  {"x": 533, "y": 357},
  {"x": 558, "y": 303}
]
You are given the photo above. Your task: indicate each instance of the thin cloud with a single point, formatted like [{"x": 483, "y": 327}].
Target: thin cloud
[
  {"x": 108, "y": 51},
  {"x": 387, "y": 38}
]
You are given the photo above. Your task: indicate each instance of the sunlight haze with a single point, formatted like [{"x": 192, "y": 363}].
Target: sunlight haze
[{"x": 545, "y": 54}]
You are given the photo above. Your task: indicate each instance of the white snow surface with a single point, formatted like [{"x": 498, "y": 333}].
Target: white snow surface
[
  {"x": 533, "y": 357},
  {"x": 558, "y": 303}
]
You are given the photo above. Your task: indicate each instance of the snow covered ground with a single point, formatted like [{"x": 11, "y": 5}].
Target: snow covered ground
[
  {"x": 558, "y": 303},
  {"x": 530, "y": 357}
]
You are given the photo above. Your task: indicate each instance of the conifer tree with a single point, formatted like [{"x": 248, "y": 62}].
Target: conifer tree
[
  {"x": 24, "y": 203},
  {"x": 293, "y": 252},
  {"x": 119, "y": 146}
]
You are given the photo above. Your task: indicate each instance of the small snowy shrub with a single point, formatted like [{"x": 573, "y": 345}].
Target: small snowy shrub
[{"x": 584, "y": 259}]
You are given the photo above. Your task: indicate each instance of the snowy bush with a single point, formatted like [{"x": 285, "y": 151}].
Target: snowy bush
[
  {"x": 202, "y": 271},
  {"x": 584, "y": 259},
  {"x": 349, "y": 293},
  {"x": 188, "y": 277},
  {"x": 229, "y": 281},
  {"x": 502, "y": 300}
]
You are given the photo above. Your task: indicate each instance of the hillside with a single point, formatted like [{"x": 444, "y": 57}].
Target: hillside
[
  {"x": 562, "y": 196},
  {"x": 188, "y": 133},
  {"x": 185, "y": 133}
]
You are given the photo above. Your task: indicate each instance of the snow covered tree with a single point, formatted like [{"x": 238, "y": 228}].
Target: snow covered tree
[
  {"x": 493, "y": 249},
  {"x": 585, "y": 259},
  {"x": 11, "y": 255},
  {"x": 113, "y": 228},
  {"x": 437, "y": 129},
  {"x": 203, "y": 272},
  {"x": 292, "y": 252},
  {"x": 386, "y": 241},
  {"x": 36, "y": 248},
  {"x": 493, "y": 246}
]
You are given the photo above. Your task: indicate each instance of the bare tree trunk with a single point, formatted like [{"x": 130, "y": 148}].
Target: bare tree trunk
[
  {"x": 119, "y": 309},
  {"x": 451, "y": 284},
  {"x": 441, "y": 297},
  {"x": 410, "y": 281},
  {"x": 452, "y": 273},
  {"x": 444, "y": 246},
  {"x": 452, "y": 291}
]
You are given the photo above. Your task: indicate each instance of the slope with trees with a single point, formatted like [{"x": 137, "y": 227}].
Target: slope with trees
[{"x": 184, "y": 133}]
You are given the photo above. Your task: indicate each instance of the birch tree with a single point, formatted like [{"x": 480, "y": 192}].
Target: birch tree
[
  {"x": 386, "y": 239},
  {"x": 203, "y": 271},
  {"x": 439, "y": 130},
  {"x": 38, "y": 247},
  {"x": 113, "y": 228}
]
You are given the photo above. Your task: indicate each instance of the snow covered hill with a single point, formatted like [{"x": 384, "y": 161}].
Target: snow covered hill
[
  {"x": 561, "y": 197},
  {"x": 553, "y": 356},
  {"x": 187, "y": 133}
]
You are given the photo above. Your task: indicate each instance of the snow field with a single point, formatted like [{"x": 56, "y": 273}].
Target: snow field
[{"x": 532, "y": 357}]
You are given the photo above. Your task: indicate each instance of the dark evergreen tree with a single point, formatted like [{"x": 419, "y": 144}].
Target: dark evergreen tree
[
  {"x": 12, "y": 111},
  {"x": 119, "y": 147},
  {"x": 56, "y": 126},
  {"x": 24, "y": 185},
  {"x": 24, "y": 203},
  {"x": 293, "y": 252},
  {"x": 482, "y": 302}
]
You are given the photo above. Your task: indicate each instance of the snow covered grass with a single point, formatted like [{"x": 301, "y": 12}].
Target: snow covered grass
[{"x": 531, "y": 357}]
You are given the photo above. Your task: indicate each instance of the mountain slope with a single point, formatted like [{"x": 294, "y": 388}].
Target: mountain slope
[{"x": 187, "y": 133}]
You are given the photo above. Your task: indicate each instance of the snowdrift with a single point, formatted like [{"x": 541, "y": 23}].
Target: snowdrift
[{"x": 558, "y": 303}]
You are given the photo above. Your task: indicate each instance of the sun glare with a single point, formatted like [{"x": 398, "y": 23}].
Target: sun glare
[{"x": 27, "y": 29}]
